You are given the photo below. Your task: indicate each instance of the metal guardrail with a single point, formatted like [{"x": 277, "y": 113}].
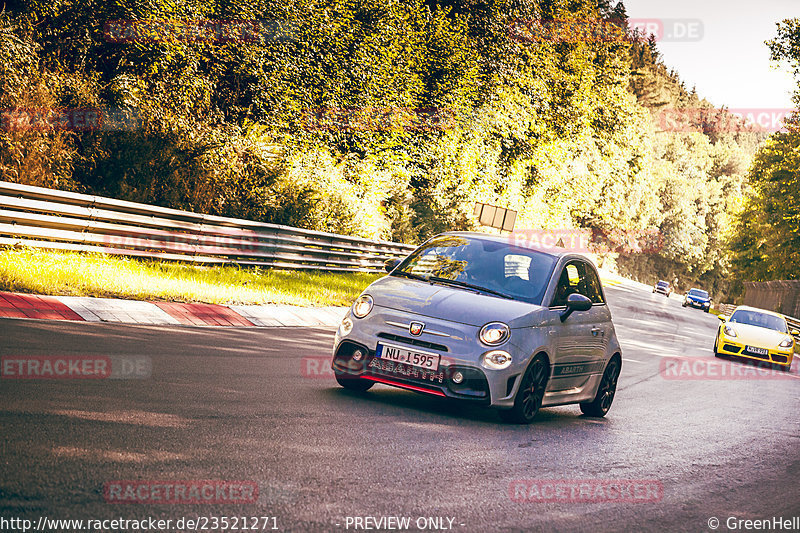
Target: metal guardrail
[
  {"x": 726, "y": 309},
  {"x": 52, "y": 219}
]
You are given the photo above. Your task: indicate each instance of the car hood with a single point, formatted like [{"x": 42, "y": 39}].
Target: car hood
[
  {"x": 450, "y": 303},
  {"x": 757, "y": 336}
]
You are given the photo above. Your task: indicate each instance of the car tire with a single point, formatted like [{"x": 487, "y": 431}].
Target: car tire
[
  {"x": 530, "y": 394},
  {"x": 716, "y": 343},
  {"x": 707, "y": 309},
  {"x": 605, "y": 392},
  {"x": 355, "y": 384},
  {"x": 683, "y": 304}
]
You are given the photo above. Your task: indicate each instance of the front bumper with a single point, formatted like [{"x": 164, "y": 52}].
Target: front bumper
[
  {"x": 458, "y": 347},
  {"x": 729, "y": 346},
  {"x": 698, "y": 305},
  {"x": 473, "y": 386}
]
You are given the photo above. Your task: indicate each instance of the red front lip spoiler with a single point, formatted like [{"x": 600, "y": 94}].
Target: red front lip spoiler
[{"x": 404, "y": 386}]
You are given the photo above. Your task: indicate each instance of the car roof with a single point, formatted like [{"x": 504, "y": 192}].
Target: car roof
[
  {"x": 507, "y": 240},
  {"x": 696, "y": 289},
  {"x": 757, "y": 310}
]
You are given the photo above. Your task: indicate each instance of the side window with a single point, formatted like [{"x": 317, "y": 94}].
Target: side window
[
  {"x": 568, "y": 283},
  {"x": 593, "y": 290},
  {"x": 577, "y": 277}
]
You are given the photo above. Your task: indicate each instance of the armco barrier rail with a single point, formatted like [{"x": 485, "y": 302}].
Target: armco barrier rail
[
  {"x": 47, "y": 218},
  {"x": 726, "y": 309}
]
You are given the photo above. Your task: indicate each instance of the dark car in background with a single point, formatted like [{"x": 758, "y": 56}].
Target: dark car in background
[
  {"x": 662, "y": 287},
  {"x": 697, "y": 298}
]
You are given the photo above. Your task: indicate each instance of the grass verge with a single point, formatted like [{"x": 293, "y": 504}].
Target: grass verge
[{"x": 79, "y": 274}]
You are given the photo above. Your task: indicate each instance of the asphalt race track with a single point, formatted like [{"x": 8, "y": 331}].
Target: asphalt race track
[{"x": 250, "y": 404}]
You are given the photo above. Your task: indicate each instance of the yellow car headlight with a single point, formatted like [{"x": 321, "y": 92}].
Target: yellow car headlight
[
  {"x": 729, "y": 331},
  {"x": 788, "y": 342}
]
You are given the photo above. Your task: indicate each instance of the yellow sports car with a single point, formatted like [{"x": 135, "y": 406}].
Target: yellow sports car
[{"x": 756, "y": 334}]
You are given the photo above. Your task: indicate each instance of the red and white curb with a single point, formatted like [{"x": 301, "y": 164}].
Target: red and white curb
[{"x": 17, "y": 305}]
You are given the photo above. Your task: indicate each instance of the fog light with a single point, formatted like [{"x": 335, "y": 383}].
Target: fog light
[
  {"x": 496, "y": 360},
  {"x": 457, "y": 378},
  {"x": 358, "y": 355}
]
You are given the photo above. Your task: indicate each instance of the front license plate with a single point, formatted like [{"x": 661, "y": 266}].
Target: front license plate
[
  {"x": 398, "y": 354},
  {"x": 759, "y": 351}
]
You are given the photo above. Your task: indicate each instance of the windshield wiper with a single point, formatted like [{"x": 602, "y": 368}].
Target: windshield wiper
[
  {"x": 409, "y": 275},
  {"x": 466, "y": 285}
]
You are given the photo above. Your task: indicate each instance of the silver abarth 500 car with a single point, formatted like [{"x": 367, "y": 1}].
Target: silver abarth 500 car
[{"x": 475, "y": 317}]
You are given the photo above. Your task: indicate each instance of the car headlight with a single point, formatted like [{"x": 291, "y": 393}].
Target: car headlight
[
  {"x": 788, "y": 342},
  {"x": 362, "y": 306},
  {"x": 496, "y": 360},
  {"x": 730, "y": 332},
  {"x": 494, "y": 334}
]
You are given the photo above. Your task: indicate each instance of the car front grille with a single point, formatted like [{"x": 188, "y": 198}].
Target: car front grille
[
  {"x": 473, "y": 385},
  {"x": 731, "y": 348},
  {"x": 414, "y": 342}
]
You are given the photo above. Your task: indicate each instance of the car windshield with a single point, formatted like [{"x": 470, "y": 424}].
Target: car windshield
[
  {"x": 663, "y": 284},
  {"x": 495, "y": 268},
  {"x": 698, "y": 293},
  {"x": 763, "y": 320}
]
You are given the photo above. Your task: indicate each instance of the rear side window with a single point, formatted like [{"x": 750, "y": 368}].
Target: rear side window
[{"x": 593, "y": 290}]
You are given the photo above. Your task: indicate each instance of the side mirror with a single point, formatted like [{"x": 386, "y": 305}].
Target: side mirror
[
  {"x": 576, "y": 302},
  {"x": 794, "y": 332},
  {"x": 391, "y": 264},
  {"x": 723, "y": 317}
]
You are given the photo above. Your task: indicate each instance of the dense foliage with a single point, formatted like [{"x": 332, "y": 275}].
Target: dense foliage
[
  {"x": 317, "y": 121},
  {"x": 766, "y": 243}
]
